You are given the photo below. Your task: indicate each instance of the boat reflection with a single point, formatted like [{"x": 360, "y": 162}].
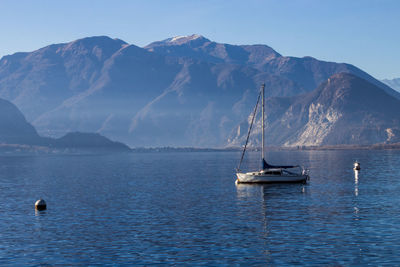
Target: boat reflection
[
  {"x": 268, "y": 191},
  {"x": 265, "y": 202},
  {"x": 248, "y": 190}
]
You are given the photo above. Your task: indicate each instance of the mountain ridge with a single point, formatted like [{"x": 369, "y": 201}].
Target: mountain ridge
[
  {"x": 193, "y": 94},
  {"x": 270, "y": 62}
]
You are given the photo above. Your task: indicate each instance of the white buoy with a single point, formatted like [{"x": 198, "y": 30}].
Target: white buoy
[
  {"x": 357, "y": 166},
  {"x": 40, "y": 204}
]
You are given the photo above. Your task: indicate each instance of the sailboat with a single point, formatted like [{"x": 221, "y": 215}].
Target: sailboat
[{"x": 269, "y": 173}]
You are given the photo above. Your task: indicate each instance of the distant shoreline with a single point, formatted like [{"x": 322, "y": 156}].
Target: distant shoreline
[
  {"x": 395, "y": 146},
  {"x": 37, "y": 150}
]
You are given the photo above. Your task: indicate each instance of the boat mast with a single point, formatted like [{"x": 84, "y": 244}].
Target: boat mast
[
  {"x": 263, "y": 134},
  {"x": 248, "y": 133}
]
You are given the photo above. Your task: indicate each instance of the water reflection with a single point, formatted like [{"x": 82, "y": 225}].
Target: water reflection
[
  {"x": 356, "y": 182},
  {"x": 356, "y": 209},
  {"x": 40, "y": 212},
  {"x": 255, "y": 193},
  {"x": 276, "y": 206},
  {"x": 266, "y": 191},
  {"x": 197, "y": 215},
  {"x": 248, "y": 190}
]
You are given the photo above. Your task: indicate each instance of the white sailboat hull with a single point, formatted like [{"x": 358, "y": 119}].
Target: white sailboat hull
[{"x": 257, "y": 177}]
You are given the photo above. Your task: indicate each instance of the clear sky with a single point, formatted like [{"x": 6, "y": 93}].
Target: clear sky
[{"x": 365, "y": 33}]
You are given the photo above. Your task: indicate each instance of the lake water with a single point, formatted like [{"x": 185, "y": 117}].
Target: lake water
[{"x": 184, "y": 208}]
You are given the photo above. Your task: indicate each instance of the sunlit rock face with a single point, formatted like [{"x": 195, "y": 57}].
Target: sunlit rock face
[
  {"x": 183, "y": 91},
  {"x": 319, "y": 125}
]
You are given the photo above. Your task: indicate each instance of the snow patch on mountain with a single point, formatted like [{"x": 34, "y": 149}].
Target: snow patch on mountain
[{"x": 184, "y": 38}]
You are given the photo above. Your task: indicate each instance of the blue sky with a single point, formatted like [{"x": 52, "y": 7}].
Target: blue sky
[{"x": 365, "y": 33}]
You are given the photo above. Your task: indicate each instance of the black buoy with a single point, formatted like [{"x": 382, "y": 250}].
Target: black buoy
[{"x": 40, "y": 204}]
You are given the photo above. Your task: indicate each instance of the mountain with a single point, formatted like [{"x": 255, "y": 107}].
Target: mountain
[
  {"x": 88, "y": 141},
  {"x": 394, "y": 83},
  {"x": 15, "y": 130},
  {"x": 283, "y": 76},
  {"x": 43, "y": 79},
  {"x": 343, "y": 110},
  {"x": 198, "y": 47},
  {"x": 183, "y": 91}
]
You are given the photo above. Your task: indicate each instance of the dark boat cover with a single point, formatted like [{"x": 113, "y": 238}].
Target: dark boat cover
[{"x": 267, "y": 166}]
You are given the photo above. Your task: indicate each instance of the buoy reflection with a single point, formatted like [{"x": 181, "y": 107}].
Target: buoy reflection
[
  {"x": 40, "y": 212},
  {"x": 356, "y": 182}
]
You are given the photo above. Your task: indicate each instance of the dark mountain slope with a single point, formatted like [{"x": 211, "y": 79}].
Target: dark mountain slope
[
  {"x": 88, "y": 141},
  {"x": 14, "y": 129}
]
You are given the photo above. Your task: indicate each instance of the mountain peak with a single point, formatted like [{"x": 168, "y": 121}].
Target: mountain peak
[
  {"x": 101, "y": 38},
  {"x": 198, "y": 47},
  {"x": 191, "y": 40},
  {"x": 102, "y": 41},
  {"x": 343, "y": 80},
  {"x": 346, "y": 91},
  {"x": 177, "y": 40}
]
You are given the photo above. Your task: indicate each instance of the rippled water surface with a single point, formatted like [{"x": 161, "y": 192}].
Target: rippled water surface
[{"x": 184, "y": 208}]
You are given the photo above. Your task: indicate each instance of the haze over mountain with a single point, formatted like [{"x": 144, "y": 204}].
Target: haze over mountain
[
  {"x": 183, "y": 91},
  {"x": 394, "y": 83},
  {"x": 15, "y": 130}
]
